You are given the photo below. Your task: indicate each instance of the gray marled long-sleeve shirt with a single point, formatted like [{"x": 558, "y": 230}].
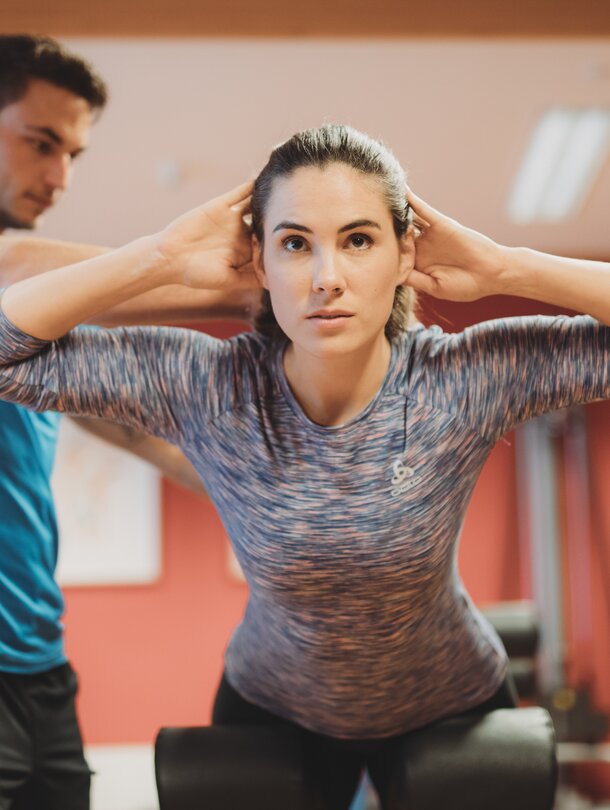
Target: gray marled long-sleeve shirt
[{"x": 357, "y": 624}]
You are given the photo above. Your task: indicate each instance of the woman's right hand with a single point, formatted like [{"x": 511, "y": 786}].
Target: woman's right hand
[{"x": 210, "y": 246}]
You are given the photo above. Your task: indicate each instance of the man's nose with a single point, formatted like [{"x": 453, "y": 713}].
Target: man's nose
[{"x": 59, "y": 172}]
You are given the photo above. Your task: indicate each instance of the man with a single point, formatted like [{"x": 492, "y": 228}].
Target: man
[{"x": 49, "y": 99}]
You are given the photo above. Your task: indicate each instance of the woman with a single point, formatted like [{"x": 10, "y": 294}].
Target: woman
[{"x": 340, "y": 449}]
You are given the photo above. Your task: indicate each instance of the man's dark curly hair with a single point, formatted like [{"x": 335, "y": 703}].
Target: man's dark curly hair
[{"x": 24, "y": 57}]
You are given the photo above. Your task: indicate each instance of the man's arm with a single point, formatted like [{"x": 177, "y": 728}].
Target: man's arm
[
  {"x": 170, "y": 461},
  {"x": 177, "y": 304},
  {"x": 22, "y": 258}
]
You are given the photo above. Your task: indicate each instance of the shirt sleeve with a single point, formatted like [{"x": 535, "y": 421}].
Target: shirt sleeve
[
  {"x": 500, "y": 373},
  {"x": 151, "y": 378}
]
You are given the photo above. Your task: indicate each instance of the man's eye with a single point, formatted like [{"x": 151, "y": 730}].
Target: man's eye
[
  {"x": 42, "y": 147},
  {"x": 294, "y": 244},
  {"x": 360, "y": 241}
]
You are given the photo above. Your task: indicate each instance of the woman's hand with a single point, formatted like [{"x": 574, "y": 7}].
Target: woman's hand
[
  {"x": 210, "y": 246},
  {"x": 451, "y": 261}
]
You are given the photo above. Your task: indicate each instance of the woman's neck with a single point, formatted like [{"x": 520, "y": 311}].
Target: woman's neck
[{"x": 333, "y": 390}]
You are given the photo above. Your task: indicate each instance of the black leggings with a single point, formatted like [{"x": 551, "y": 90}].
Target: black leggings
[{"x": 334, "y": 766}]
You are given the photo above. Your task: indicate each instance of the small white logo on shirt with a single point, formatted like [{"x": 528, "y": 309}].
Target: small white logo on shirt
[{"x": 404, "y": 478}]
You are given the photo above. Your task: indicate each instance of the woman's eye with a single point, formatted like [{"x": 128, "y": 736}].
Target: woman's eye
[
  {"x": 294, "y": 244},
  {"x": 360, "y": 241}
]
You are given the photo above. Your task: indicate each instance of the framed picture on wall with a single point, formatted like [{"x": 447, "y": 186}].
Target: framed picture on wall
[{"x": 108, "y": 507}]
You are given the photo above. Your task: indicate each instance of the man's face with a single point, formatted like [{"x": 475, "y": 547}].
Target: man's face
[{"x": 40, "y": 136}]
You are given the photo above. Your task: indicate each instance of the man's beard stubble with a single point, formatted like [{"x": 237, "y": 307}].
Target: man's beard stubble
[{"x": 7, "y": 220}]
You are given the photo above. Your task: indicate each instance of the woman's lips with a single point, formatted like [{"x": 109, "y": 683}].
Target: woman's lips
[
  {"x": 330, "y": 314},
  {"x": 330, "y": 320}
]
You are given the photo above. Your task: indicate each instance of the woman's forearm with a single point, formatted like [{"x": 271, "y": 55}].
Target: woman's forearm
[
  {"x": 580, "y": 285},
  {"x": 25, "y": 257},
  {"x": 49, "y": 305},
  {"x": 457, "y": 263},
  {"x": 204, "y": 249}
]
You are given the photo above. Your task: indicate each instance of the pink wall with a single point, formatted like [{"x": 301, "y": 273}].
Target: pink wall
[{"x": 152, "y": 656}]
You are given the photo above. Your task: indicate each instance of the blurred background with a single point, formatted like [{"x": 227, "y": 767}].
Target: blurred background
[{"x": 501, "y": 114}]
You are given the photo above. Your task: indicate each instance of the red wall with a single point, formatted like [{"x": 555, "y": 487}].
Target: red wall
[{"x": 152, "y": 655}]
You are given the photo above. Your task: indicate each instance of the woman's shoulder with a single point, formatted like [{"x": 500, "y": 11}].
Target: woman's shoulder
[
  {"x": 243, "y": 346},
  {"x": 251, "y": 348},
  {"x": 508, "y": 338},
  {"x": 245, "y": 365},
  {"x": 516, "y": 326}
]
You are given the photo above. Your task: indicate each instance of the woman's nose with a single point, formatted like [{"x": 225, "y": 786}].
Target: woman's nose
[{"x": 327, "y": 276}]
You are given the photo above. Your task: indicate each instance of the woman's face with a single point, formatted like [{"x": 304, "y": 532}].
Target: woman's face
[{"x": 331, "y": 259}]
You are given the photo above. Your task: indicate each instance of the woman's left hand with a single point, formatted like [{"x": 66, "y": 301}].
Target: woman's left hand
[{"x": 451, "y": 261}]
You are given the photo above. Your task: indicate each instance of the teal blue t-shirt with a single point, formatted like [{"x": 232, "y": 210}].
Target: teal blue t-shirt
[{"x": 31, "y": 604}]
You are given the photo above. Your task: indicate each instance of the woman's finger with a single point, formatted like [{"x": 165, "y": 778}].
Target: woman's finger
[
  {"x": 420, "y": 223},
  {"x": 238, "y": 194},
  {"x": 422, "y": 210},
  {"x": 243, "y": 207},
  {"x": 421, "y": 282}
]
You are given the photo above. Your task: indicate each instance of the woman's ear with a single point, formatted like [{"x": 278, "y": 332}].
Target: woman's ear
[
  {"x": 406, "y": 261},
  {"x": 257, "y": 262}
]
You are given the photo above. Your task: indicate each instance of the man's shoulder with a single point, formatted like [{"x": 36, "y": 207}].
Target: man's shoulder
[{"x": 16, "y": 417}]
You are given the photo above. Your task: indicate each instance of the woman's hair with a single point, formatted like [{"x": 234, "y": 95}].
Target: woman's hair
[{"x": 320, "y": 148}]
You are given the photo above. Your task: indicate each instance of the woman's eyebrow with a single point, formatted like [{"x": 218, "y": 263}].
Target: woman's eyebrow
[
  {"x": 359, "y": 223},
  {"x": 291, "y": 226}
]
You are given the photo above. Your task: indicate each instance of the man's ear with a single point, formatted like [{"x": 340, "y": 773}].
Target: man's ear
[
  {"x": 257, "y": 262},
  {"x": 406, "y": 261}
]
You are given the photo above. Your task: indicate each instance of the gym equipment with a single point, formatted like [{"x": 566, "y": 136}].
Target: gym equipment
[
  {"x": 517, "y": 625},
  {"x": 230, "y": 768},
  {"x": 502, "y": 760}
]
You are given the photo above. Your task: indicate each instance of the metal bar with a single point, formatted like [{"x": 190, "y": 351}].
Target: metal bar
[
  {"x": 582, "y": 752},
  {"x": 538, "y": 521},
  {"x": 578, "y": 537}
]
